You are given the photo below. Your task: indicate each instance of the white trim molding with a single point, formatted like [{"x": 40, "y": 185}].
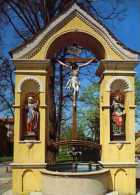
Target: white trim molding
[
  {"x": 118, "y": 164},
  {"x": 18, "y": 165}
]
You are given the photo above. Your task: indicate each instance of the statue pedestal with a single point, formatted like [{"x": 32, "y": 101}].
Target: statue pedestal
[
  {"x": 30, "y": 136},
  {"x": 118, "y": 137}
]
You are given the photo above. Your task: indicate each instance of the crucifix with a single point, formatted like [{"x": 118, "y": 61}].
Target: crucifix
[{"x": 73, "y": 85}]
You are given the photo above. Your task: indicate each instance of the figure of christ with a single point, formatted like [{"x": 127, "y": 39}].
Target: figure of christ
[{"x": 73, "y": 82}]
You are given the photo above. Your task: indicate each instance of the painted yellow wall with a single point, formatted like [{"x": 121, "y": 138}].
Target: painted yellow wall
[
  {"x": 27, "y": 153},
  {"x": 110, "y": 151},
  {"x": 22, "y": 153},
  {"x": 123, "y": 180},
  {"x": 76, "y": 24},
  {"x": 26, "y": 180},
  {"x": 118, "y": 156}
]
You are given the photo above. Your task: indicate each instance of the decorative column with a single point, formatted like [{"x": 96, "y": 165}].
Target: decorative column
[
  {"x": 118, "y": 149},
  {"x": 30, "y": 151}
]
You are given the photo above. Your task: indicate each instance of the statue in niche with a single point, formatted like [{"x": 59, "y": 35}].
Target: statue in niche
[
  {"x": 73, "y": 83},
  {"x": 32, "y": 116},
  {"x": 117, "y": 115}
]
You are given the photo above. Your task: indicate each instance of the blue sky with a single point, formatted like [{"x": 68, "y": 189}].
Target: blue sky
[{"x": 128, "y": 30}]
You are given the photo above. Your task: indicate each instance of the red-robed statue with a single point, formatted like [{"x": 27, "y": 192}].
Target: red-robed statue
[
  {"x": 118, "y": 112},
  {"x": 32, "y": 116}
]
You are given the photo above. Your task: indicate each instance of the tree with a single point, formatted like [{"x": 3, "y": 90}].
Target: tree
[
  {"x": 7, "y": 81},
  {"x": 137, "y": 101},
  {"x": 34, "y": 15},
  {"x": 3, "y": 139},
  {"x": 89, "y": 113}
]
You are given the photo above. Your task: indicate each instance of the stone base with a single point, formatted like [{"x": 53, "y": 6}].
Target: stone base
[
  {"x": 30, "y": 136},
  {"x": 76, "y": 183},
  {"x": 113, "y": 193},
  {"x": 9, "y": 192},
  {"x": 118, "y": 137}
]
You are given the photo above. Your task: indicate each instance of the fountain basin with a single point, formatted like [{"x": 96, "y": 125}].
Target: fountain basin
[{"x": 78, "y": 179}]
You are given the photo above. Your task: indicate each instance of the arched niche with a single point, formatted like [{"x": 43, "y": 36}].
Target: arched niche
[
  {"x": 80, "y": 38},
  {"x": 29, "y": 101},
  {"x": 29, "y": 181},
  {"x": 118, "y": 91},
  {"x": 120, "y": 181}
]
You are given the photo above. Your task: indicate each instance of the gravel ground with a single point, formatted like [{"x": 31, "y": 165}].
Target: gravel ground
[{"x": 5, "y": 178}]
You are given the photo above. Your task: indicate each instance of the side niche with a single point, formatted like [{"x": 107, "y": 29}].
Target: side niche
[
  {"x": 29, "y": 181},
  {"x": 120, "y": 181},
  {"x": 30, "y": 116},
  {"x": 118, "y": 113}
]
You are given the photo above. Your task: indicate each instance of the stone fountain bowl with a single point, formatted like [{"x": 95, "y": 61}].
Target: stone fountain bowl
[{"x": 75, "y": 179}]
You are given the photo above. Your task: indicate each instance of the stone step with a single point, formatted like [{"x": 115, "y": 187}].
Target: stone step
[
  {"x": 9, "y": 192},
  {"x": 113, "y": 193}
]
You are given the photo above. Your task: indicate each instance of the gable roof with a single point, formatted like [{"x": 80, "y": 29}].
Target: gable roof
[{"x": 74, "y": 9}]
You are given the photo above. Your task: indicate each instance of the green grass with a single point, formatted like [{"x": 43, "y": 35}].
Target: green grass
[
  {"x": 63, "y": 158},
  {"x": 63, "y": 155},
  {"x": 6, "y": 158}
]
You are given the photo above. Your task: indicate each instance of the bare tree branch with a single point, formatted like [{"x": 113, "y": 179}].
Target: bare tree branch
[
  {"x": 8, "y": 104},
  {"x": 14, "y": 26},
  {"x": 18, "y": 13}
]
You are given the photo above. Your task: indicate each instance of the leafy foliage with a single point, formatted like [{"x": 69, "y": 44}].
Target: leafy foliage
[
  {"x": 6, "y": 86},
  {"x": 89, "y": 112},
  {"x": 137, "y": 90}
]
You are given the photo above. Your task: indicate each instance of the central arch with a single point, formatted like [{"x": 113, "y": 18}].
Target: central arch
[
  {"x": 84, "y": 40},
  {"x": 80, "y": 38}
]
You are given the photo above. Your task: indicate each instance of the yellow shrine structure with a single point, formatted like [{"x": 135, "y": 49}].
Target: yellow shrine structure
[{"x": 33, "y": 62}]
